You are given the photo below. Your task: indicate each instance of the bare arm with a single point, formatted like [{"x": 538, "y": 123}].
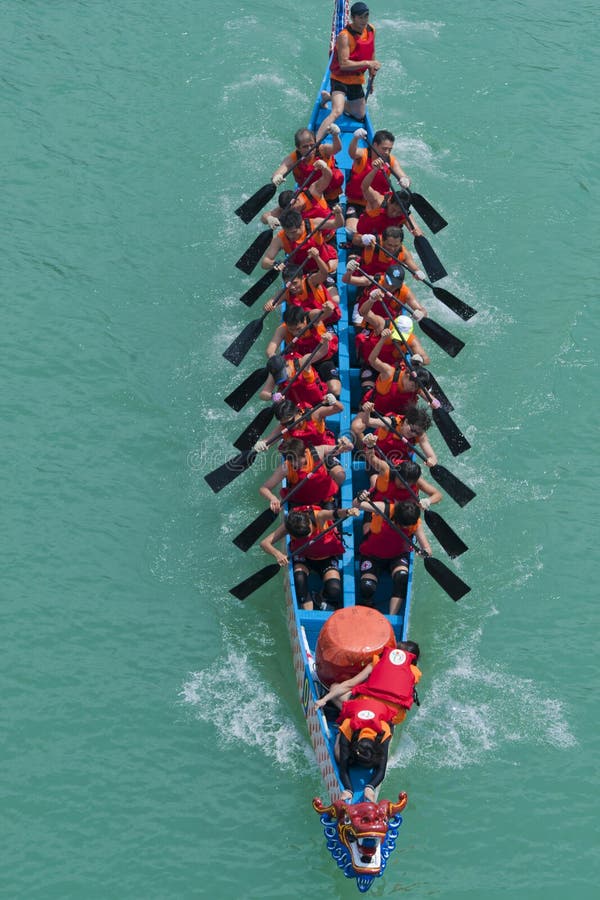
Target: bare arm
[
  {"x": 284, "y": 165},
  {"x": 374, "y": 361},
  {"x": 266, "y": 489},
  {"x": 338, "y": 689},
  {"x": 273, "y": 345},
  {"x": 268, "y": 260},
  {"x": 422, "y": 539},
  {"x": 268, "y": 545},
  {"x": 431, "y": 492}
]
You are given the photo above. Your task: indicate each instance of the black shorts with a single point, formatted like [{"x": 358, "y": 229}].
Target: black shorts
[
  {"x": 327, "y": 369},
  {"x": 354, "y": 209},
  {"x": 319, "y": 566},
  {"x": 352, "y": 91},
  {"x": 373, "y": 565}
]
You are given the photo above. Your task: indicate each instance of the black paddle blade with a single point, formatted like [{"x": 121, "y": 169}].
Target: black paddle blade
[
  {"x": 436, "y": 390},
  {"x": 255, "y": 203},
  {"x": 253, "y": 531},
  {"x": 248, "y": 260},
  {"x": 253, "y": 293},
  {"x": 457, "y": 306},
  {"x": 454, "y": 586},
  {"x": 442, "y": 337},
  {"x": 448, "y": 538},
  {"x": 460, "y": 492},
  {"x": 229, "y": 471},
  {"x": 429, "y": 258},
  {"x": 238, "y": 348},
  {"x": 238, "y": 398},
  {"x": 253, "y": 431},
  {"x": 247, "y": 587},
  {"x": 434, "y": 221},
  {"x": 449, "y": 430}
]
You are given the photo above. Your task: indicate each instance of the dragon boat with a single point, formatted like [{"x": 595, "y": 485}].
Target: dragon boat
[{"x": 360, "y": 835}]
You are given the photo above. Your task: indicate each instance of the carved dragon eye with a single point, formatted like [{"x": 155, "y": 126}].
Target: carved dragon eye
[{"x": 347, "y": 819}]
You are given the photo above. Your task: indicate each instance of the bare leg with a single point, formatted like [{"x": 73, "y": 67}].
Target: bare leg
[{"x": 338, "y": 100}]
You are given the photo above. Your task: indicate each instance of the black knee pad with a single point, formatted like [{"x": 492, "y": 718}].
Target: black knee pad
[
  {"x": 301, "y": 585},
  {"x": 400, "y": 582},
  {"x": 368, "y": 586},
  {"x": 332, "y": 591}
]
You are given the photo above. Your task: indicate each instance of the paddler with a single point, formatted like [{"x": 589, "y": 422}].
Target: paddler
[
  {"x": 403, "y": 482},
  {"x": 293, "y": 239},
  {"x": 387, "y": 548},
  {"x": 310, "y": 431},
  {"x": 375, "y": 261},
  {"x": 321, "y": 558},
  {"x": 363, "y": 157},
  {"x": 308, "y": 167},
  {"x": 302, "y": 463},
  {"x": 293, "y": 331},
  {"x": 410, "y": 427},
  {"x": 353, "y": 56},
  {"x": 397, "y": 387},
  {"x": 309, "y": 291},
  {"x": 382, "y": 210},
  {"x": 307, "y": 386},
  {"x": 310, "y": 202}
]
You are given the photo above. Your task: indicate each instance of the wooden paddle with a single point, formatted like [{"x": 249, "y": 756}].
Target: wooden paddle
[
  {"x": 451, "y": 433},
  {"x": 448, "y": 538},
  {"x": 254, "y": 582},
  {"x": 254, "y": 292},
  {"x": 253, "y": 205},
  {"x": 240, "y": 346},
  {"x": 252, "y": 295},
  {"x": 229, "y": 471},
  {"x": 453, "y": 303},
  {"x": 454, "y": 487},
  {"x": 253, "y": 431},
  {"x": 440, "y": 335},
  {"x": 249, "y": 259},
  {"x": 454, "y": 586},
  {"x": 253, "y": 531},
  {"x": 432, "y": 218}
]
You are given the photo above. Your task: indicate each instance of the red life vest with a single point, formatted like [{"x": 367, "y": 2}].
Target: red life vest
[
  {"x": 310, "y": 341},
  {"x": 306, "y": 168},
  {"x": 324, "y": 547},
  {"x": 366, "y": 712},
  {"x": 297, "y": 256},
  {"x": 391, "y": 679},
  {"x": 362, "y": 46},
  {"x": 383, "y": 541},
  {"x": 313, "y": 298},
  {"x": 362, "y": 165},
  {"x": 320, "y": 486},
  {"x": 391, "y": 445},
  {"x": 376, "y": 262},
  {"x": 375, "y": 221},
  {"x": 389, "y": 396},
  {"x": 308, "y": 387},
  {"x": 394, "y": 304},
  {"x": 311, "y": 431},
  {"x": 388, "y": 488},
  {"x": 366, "y": 341}
]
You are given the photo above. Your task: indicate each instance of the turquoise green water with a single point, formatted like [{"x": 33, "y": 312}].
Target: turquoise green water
[{"x": 152, "y": 745}]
